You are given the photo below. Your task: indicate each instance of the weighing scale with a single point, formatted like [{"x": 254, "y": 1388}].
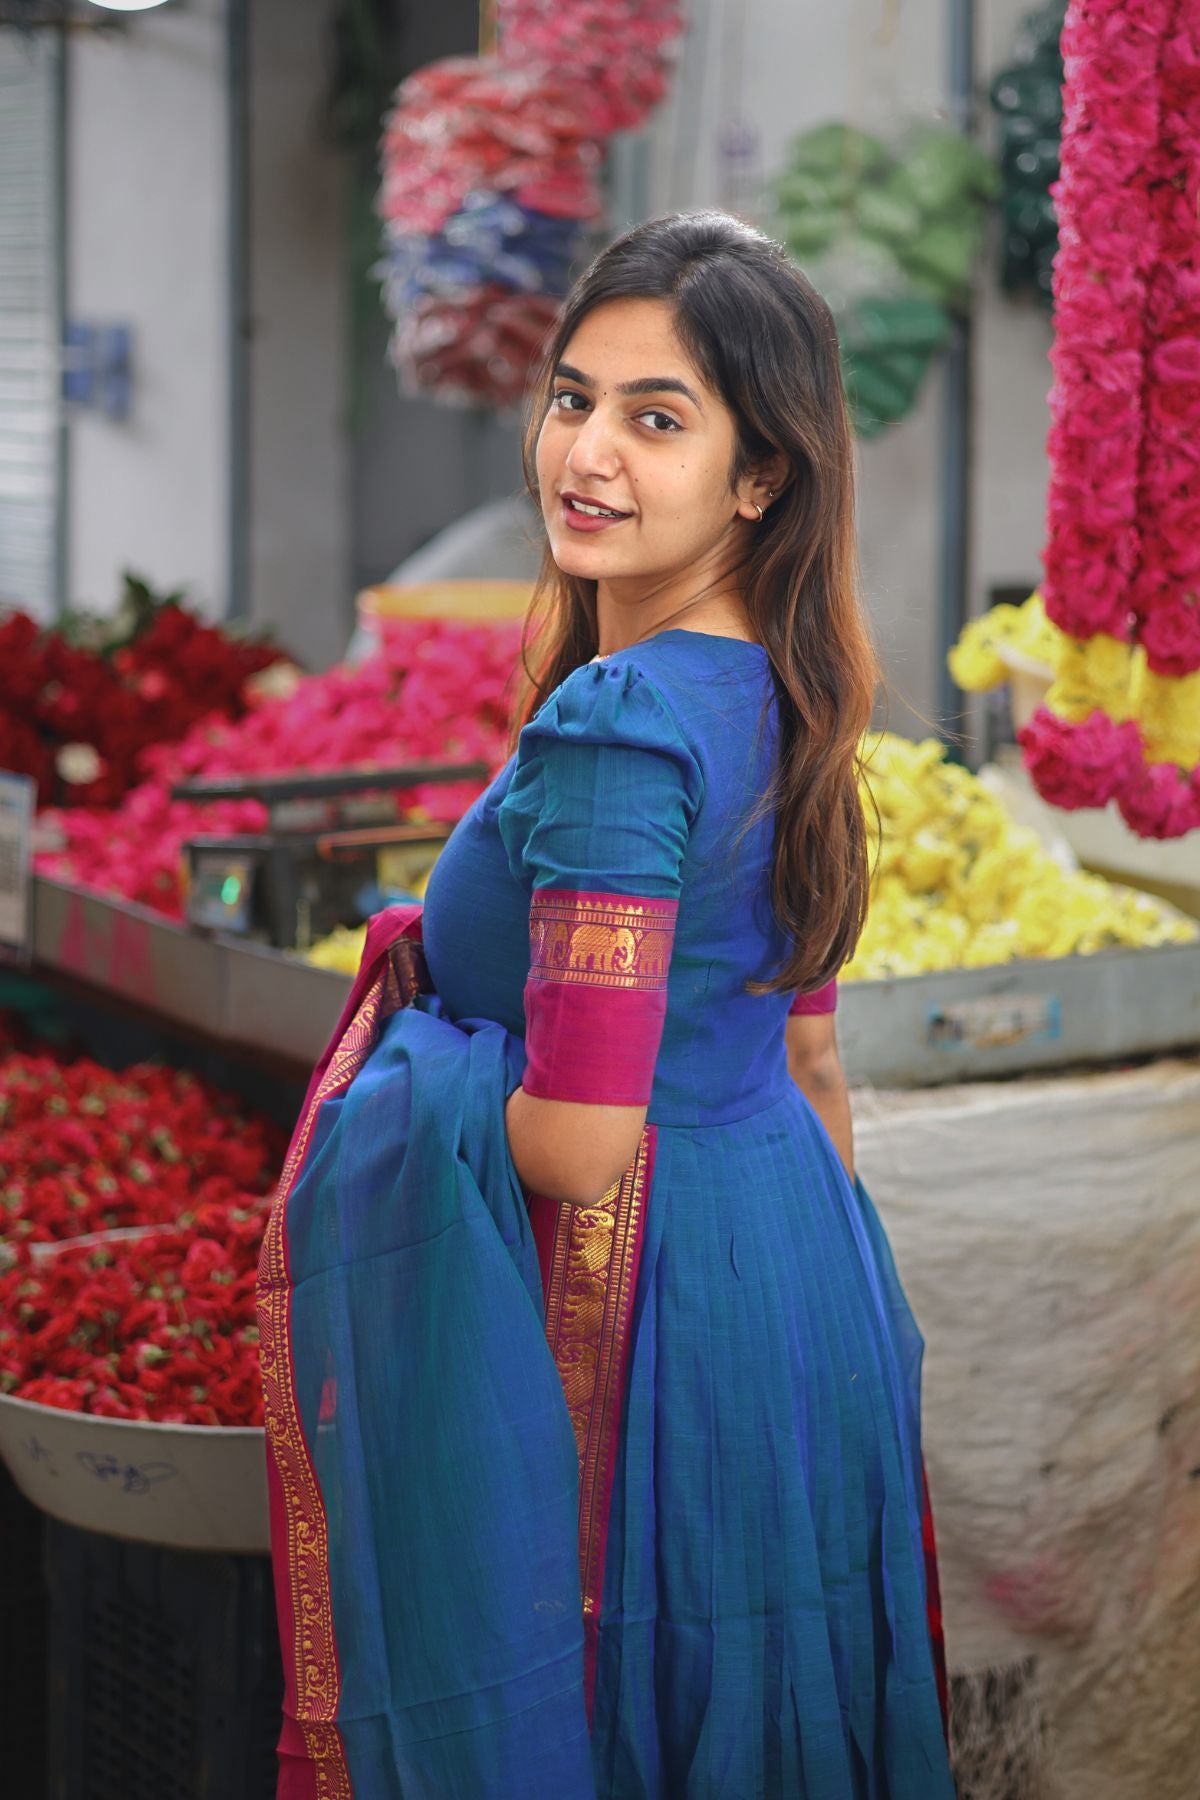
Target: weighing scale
[{"x": 335, "y": 849}]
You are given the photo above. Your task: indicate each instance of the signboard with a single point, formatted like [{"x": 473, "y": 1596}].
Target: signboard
[{"x": 995, "y": 1022}]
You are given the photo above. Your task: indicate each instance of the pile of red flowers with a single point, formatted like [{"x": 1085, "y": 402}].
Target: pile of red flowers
[
  {"x": 1123, "y": 550},
  {"x": 84, "y": 1148},
  {"x": 159, "y": 1326},
  {"x": 156, "y": 1324},
  {"x": 78, "y": 721},
  {"x": 435, "y": 690}
]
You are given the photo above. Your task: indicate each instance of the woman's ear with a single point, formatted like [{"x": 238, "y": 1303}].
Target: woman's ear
[
  {"x": 775, "y": 473},
  {"x": 763, "y": 485}
]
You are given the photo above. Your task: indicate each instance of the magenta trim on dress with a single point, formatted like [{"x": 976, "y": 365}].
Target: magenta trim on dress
[
  {"x": 596, "y": 996},
  {"x": 822, "y": 1000}
]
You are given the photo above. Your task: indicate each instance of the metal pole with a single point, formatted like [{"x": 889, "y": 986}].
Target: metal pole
[
  {"x": 238, "y": 302},
  {"x": 62, "y": 510},
  {"x": 954, "y": 550}
]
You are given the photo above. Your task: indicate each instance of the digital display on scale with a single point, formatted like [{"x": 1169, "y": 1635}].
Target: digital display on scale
[{"x": 220, "y": 893}]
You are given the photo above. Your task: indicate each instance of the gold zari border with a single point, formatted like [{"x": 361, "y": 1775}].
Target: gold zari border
[
  {"x": 588, "y": 1301},
  {"x": 313, "y": 1645},
  {"x": 602, "y": 943}
]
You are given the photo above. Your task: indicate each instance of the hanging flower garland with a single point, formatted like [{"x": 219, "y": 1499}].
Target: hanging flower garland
[
  {"x": 1122, "y": 720},
  {"x": 490, "y": 185}
]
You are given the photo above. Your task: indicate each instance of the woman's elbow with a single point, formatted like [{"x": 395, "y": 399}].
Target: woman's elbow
[
  {"x": 571, "y": 1151},
  {"x": 818, "y": 1073}
]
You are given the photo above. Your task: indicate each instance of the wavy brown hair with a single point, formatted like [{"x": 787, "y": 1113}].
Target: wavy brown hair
[{"x": 765, "y": 341}]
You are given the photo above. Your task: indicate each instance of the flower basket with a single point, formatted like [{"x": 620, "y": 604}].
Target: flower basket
[
  {"x": 185, "y": 1487},
  {"x": 192, "y": 1487}
]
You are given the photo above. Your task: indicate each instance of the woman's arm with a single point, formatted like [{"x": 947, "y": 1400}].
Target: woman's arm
[
  {"x": 571, "y": 1150},
  {"x": 816, "y": 1068}
]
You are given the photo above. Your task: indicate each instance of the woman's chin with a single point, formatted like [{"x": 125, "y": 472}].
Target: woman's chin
[{"x": 579, "y": 555}]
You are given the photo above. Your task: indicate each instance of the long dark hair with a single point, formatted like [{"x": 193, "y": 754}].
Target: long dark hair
[{"x": 765, "y": 341}]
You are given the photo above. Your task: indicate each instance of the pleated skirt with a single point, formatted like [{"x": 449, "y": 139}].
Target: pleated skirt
[{"x": 763, "y": 1629}]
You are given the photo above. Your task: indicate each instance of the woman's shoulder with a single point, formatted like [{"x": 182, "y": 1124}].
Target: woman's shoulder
[
  {"x": 684, "y": 694},
  {"x": 719, "y": 689},
  {"x": 618, "y": 698}
]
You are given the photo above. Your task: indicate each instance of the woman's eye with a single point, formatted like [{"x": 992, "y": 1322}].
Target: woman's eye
[
  {"x": 672, "y": 424},
  {"x": 567, "y": 394}
]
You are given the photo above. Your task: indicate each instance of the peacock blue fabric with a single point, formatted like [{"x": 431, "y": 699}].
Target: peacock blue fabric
[{"x": 760, "y": 1629}]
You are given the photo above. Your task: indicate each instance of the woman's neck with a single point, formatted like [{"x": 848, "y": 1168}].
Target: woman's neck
[{"x": 619, "y": 626}]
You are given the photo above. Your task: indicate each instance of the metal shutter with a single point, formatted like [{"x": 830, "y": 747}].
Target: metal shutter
[{"x": 30, "y": 320}]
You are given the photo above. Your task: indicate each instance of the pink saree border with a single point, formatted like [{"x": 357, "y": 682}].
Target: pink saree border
[{"x": 313, "y": 1762}]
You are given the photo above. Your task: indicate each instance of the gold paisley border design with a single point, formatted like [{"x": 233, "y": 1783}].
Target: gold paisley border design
[
  {"x": 313, "y": 1641},
  {"x": 600, "y": 940},
  {"x": 589, "y": 1298}
]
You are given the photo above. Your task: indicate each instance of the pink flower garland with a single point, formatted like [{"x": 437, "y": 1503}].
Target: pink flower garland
[
  {"x": 1123, "y": 548},
  {"x": 491, "y": 172}
]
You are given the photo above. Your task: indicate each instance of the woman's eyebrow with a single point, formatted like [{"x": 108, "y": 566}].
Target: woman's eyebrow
[{"x": 645, "y": 384}]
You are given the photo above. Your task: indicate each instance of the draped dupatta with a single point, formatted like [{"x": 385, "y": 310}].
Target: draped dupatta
[{"x": 443, "y": 1361}]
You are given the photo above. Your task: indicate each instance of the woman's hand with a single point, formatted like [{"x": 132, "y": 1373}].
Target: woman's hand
[
  {"x": 569, "y": 1149},
  {"x": 816, "y": 1068}
]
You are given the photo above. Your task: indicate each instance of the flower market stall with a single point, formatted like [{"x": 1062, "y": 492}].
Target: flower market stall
[
  {"x": 132, "y": 1205},
  {"x": 214, "y": 826}
]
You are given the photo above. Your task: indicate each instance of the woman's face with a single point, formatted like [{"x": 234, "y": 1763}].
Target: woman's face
[{"x": 632, "y": 427}]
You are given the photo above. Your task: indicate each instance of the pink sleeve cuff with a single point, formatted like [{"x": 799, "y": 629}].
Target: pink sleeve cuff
[
  {"x": 596, "y": 997},
  {"x": 823, "y": 1000}
]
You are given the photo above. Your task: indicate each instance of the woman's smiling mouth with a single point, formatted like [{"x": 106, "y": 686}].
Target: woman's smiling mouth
[{"x": 582, "y": 513}]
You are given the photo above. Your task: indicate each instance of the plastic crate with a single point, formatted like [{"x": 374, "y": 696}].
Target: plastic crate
[
  {"x": 22, "y": 1646},
  {"x": 165, "y": 1676}
]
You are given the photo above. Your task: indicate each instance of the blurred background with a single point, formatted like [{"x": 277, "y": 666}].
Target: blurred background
[
  {"x": 272, "y": 276},
  {"x": 191, "y": 210}
]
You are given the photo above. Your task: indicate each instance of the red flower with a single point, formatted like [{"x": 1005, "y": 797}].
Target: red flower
[{"x": 140, "y": 1328}]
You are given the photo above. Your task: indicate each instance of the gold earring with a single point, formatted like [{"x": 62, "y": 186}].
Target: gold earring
[{"x": 760, "y": 511}]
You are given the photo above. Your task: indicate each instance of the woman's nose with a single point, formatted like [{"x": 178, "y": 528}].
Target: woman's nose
[{"x": 593, "y": 447}]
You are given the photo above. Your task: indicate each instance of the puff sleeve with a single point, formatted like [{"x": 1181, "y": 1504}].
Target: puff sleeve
[{"x": 596, "y": 821}]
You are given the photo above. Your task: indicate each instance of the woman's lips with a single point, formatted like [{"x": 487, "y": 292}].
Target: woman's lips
[{"x": 587, "y": 521}]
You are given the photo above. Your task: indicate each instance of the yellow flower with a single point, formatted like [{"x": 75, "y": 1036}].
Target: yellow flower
[
  {"x": 1036, "y": 636},
  {"x": 977, "y": 660},
  {"x": 958, "y": 884},
  {"x": 1168, "y": 710},
  {"x": 973, "y": 660},
  {"x": 341, "y": 950},
  {"x": 1097, "y": 672}
]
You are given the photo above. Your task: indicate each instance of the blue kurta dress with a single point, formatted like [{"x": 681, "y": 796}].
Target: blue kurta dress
[{"x": 720, "y": 1371}]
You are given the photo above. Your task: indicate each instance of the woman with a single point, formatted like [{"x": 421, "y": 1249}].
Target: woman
[{"x": 591, "y": 1145}]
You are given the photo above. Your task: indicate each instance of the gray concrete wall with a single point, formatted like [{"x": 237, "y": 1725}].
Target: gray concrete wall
[
  {"x": 299, "y": 573},
  {"x": 146, "y": 245}
]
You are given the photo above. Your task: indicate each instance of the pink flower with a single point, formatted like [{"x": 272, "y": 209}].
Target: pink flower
[
  {"x": 1161, "y": 801},
  {"x": 1078, "y": 765},
  {"x": 1171, "y": 634},
  {"x": 435, "y": 690},
  {"x": 1176, "y": 359}
]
